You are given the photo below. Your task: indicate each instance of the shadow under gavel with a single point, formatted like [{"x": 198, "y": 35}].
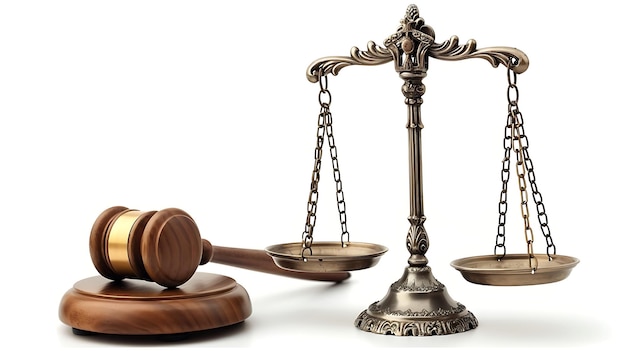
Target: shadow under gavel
[{"x": 165, "y": 247}]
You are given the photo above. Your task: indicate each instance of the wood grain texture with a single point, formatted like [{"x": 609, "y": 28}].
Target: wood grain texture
[
  {"x": 171, "y": 247},
  {"x": 260, "y": 261},
  {"x": 136, "y": 307},
  {"x": 134, "y": 246}
]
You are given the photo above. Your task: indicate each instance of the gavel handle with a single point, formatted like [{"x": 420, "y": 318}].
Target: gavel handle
[{"x": 260, "y": 261}]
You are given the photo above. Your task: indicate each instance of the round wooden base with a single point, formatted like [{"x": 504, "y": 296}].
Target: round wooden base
[{"x": 137, "y": 307}]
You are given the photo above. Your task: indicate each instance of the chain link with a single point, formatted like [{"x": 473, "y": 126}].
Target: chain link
[
  {"x": 515, "y": 138},
  {"x": 324, "y": 130}
]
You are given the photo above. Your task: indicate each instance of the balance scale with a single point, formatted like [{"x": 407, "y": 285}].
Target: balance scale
[{"x": 162, "y": 249}]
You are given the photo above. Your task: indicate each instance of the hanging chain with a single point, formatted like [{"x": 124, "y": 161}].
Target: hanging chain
[
  {"x": 515, "y": 138},
  {"x": 500, "y": 248},
  {"x": 520, "y": 169},
  {"x": 341, "y": 203},
  {"x": 324, "y": 129},
  {"x": 307, "y": 235}
]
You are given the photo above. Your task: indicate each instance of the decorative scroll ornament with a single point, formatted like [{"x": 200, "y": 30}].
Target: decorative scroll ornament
[
  {"x": 375, "y": 55},
  {"x": 451, "y": 51}
]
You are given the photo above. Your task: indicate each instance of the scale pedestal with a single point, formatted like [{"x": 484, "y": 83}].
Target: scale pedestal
[
  {"x": 136, "y": 307},
  {"x": 416, "y": 305}
]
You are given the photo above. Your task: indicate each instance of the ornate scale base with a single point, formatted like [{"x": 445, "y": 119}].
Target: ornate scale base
[
  {"x": 416, "y": 305},
  {"x": 137, "y": 307}
]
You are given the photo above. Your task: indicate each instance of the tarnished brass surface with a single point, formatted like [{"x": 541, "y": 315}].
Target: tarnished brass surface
[
  {"x": 416, "y": 305},
  {"x": 514, "y": 270},
  {"x": 327, "y": 256}
]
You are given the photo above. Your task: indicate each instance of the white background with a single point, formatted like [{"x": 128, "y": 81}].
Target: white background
[{"x": 205, "y": 106}]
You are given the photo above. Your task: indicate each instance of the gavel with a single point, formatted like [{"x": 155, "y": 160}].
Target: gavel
[{"x": 165, "y": 247}]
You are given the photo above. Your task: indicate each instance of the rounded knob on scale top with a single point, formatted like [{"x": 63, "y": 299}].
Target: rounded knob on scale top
[{"x": 161, "y": 246}]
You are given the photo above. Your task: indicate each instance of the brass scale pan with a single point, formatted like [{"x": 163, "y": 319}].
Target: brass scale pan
[{"x": 514, "y": 270}]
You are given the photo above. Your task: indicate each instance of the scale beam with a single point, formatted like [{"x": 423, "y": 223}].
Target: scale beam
[{"x": 449, "y": 50}]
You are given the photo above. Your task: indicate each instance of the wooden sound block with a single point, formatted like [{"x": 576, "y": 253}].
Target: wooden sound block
[{"x": 137, "y": 307}]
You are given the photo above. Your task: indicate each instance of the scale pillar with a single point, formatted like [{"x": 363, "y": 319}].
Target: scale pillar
[
  {"x": 417, "y": 238},
  {"x": 417, "y": 304}
]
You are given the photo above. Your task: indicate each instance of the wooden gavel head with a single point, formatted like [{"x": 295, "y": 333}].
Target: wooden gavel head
[{"x": 160, "y": 246}]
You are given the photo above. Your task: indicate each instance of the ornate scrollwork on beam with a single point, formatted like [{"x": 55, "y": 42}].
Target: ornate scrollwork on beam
[
  {"x": 451, "y": 50},
  {"x": 375, "y": 55},
  {"x": 411, "y": 46}
]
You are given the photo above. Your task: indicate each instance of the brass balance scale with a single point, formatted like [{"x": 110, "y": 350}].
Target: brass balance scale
[
  {"x": 417, "y": 304},
  {"x": 165, "y": 246}
]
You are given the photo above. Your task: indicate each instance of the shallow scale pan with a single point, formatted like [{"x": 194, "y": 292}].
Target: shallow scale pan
[
  {"x": 327, "y": 256},
  {"x": 514, "y": 270}
]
